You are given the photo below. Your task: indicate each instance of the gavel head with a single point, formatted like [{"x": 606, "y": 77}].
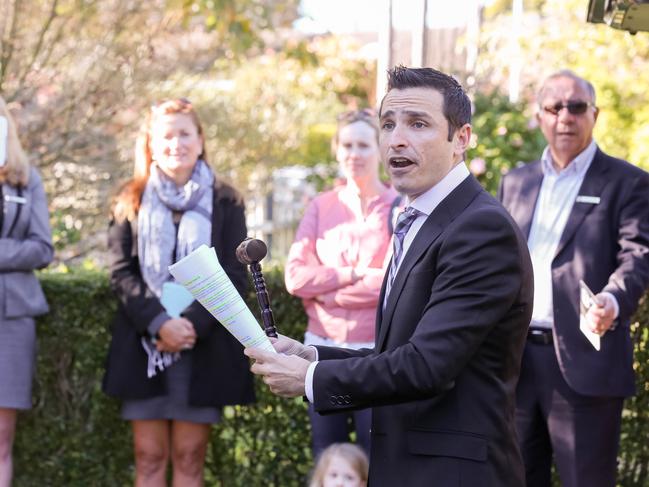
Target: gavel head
[{"x": 251, "y": 250}]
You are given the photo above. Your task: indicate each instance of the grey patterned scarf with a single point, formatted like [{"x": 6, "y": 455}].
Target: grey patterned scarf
[{"x": 157, "y": 237}]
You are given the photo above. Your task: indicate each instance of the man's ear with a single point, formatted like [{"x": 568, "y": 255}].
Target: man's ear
[{"x": 462, "y": 139}]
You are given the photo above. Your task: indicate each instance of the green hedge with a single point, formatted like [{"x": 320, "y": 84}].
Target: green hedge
[{"x": 75, "y": 437}]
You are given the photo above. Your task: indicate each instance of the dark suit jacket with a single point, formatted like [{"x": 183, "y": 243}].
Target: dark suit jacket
[
  {"x": 449, "y": 343},
  {"x": 220, "y": 371},
  {"x": 607, "y": 246}
]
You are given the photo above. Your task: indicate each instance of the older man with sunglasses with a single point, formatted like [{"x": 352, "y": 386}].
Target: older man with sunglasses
[{"x": 586, "y": 220}]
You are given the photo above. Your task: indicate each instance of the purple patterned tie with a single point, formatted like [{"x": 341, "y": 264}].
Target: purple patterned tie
[{"x": 404, "y": 221}]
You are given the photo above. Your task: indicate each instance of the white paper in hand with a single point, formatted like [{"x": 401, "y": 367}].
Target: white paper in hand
[
  {"x": 586, "y": 300},
  {"x": 202, "y": 275},
  {"x": 4, "y": 138}
]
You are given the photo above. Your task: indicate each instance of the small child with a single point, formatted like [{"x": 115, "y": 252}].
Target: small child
[{"x": 341, "y": 465}]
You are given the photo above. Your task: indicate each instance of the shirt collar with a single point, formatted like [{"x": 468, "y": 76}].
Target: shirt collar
[
  {"x": 428, "y": 201},
  {"x": 579, "y": 165}
]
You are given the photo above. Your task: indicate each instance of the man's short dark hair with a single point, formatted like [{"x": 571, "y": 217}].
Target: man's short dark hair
[{"x": 457, "y": 106}]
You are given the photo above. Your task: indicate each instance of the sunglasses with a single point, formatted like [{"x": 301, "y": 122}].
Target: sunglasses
[{"x": 574, "y": 107}]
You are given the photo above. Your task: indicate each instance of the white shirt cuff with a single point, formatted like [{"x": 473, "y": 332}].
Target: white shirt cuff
[
  {"x": 308, "y": 381},
  {"x": 615, "y": 304}
]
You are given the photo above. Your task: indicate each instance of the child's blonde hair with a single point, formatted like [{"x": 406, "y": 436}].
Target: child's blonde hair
[{"x": 353, "y": 454}]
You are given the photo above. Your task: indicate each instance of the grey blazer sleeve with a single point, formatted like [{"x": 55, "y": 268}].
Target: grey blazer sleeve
[{"x": 29, "y": 246}]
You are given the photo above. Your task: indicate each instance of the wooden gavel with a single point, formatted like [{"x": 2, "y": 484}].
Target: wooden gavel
[{"x": 250, "y": 252}]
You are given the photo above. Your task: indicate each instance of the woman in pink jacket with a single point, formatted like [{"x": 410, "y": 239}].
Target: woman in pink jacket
[{"x": 337, "y": 261}]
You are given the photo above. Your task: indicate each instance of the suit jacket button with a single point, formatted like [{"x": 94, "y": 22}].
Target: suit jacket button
[{"x": 333, "y": 400}]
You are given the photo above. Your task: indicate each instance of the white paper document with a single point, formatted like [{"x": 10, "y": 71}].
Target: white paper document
[
  {"x": 586, "y": 300},
  {"x": 202, "y": 275}
]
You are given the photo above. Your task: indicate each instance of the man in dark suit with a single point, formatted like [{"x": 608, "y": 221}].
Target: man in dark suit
[
  {"x": 586, "y": 216},
  {"x": 455, "y": 307}
]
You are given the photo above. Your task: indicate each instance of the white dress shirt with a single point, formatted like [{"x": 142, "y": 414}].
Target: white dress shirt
[
  {"x": 425, "y": 203},
  {"x": 554, "y": 205}
]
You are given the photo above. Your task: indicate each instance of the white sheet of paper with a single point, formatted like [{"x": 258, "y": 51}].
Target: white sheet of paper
[
  {"x": 586, "y": 300},
  {"x": 202, "y": 275}
]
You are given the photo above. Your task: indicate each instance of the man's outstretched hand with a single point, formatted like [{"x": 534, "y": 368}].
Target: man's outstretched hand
[
  {"x": 284, "y": 374},
  {"x": 602, "y": 314}
]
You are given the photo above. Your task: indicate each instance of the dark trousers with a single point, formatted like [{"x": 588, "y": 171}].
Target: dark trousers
[
  {"x": 582, "y": 431},
  {"x": 335, "y": 428}
]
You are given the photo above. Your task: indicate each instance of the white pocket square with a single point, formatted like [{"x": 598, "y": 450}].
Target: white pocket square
[{"x": 590, "y": 200}]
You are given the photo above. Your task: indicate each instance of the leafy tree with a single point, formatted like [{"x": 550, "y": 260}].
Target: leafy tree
[
  {"x": 556, "y": 36},
  {"x": 79, "y": 73},
  {"x": 240, "y": 25},
  {"x": 505, "y": 135}
]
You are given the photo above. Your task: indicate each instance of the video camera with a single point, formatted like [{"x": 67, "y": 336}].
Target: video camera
[{"x": 629, "y": 15}]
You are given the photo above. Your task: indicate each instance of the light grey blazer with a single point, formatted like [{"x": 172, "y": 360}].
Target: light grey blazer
[{"x": 23, "y": 248}]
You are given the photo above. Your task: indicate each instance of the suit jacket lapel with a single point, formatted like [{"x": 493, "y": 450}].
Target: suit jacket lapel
[
  {"x": 592, "y": 185},
  {"x": 379, "y": 307},
  {"x": 523, "y": 211},
  {"x": 10, "y": 209},
  {"x": 439, "y": 219}
]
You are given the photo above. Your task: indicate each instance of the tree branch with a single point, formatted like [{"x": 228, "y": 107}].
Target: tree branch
[
  {"x": 39, "y": 42},
  {"x": 8, "y": 43}
]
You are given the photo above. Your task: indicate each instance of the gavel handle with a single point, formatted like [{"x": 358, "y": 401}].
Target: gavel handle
[{"x": 264, "y": 300}]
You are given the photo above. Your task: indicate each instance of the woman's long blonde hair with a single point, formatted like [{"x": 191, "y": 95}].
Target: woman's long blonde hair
[
  {"x": 127, "y": 202},
  {"x": 16, "y": 169}
]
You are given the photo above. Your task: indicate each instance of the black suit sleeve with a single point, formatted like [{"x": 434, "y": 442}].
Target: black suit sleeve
[
  {"x": 139, "y": 302},
  {"x": 629, "y": 281},
  {"x": 480, "y": 266},
  {"x": 330, "y": 353}
]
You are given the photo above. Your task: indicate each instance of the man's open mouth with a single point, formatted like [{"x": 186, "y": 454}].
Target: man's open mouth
[{"x": 400, "y": 162}]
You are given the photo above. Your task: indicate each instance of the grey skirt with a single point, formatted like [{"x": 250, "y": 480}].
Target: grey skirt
[
  {"x": 17, "y": 362},
  {"x": 174, "y": 405}
]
